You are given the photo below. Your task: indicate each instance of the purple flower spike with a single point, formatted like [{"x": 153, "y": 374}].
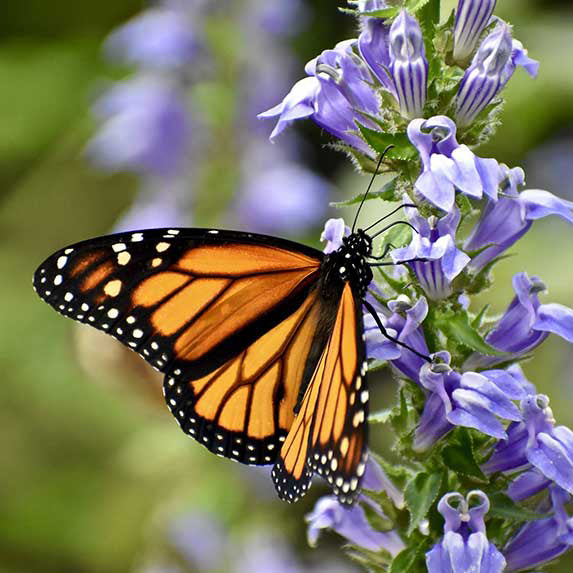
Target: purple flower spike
[
  {"x": 160, "y": 38},
  {"x": 352, "y": 524},
  {"x": 484, "y": 78},
  {"x": 472, "y": 16},
  {"x": 408, "y": 64},
  {"x": 145, "y": 130},
  {"x": 526, "y": 323},
  {"x": 536, "y": 443},
  {"x": 448, "y": 167},
  {"x": 465, "y": 546},
  {"x": 284, "y": 197},
  {"x": 505, "y": 221},
  {"x": 541, "y": 541},
  {"x": 434, "y": 241}
]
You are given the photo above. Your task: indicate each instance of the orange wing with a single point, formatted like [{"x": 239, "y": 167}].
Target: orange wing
[
  {"x": 231, "y": 318},
  {"x": 329, "y": 434}
]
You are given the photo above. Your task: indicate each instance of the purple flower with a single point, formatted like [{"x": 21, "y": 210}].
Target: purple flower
[
  {"x": 491, "y": 68},
  {"x": 526, "y": 323},
  {"x": 277, "y": 18},
  {"x": 198, "y": 538},
  {"x": 472, "y": 16},
  {"x": 408, "y": 64},
  {"x": 402, "y": 320},
  {"x": 434, "y": 241},
  {"x": 160, "y": 38},
  {"x": 474, "y": 400},
  {"x": 505, "y": 221},
  {"x": 535, "y": 442},
  {"x": 375, "y": 479},
  {"x": 334, "y": 231},
  {"x": 448, "y": 167},
  {"x": 336, "y": 95},
  {"x": 145, "y": 128},
  {"x": 370, "y": 5},
  {"x": 262, "y": 552},
  {"x": 156, "y": 207},
  {"x": 352, "y": 524},
  {"x": 483, "y": 79},
  {"x": 285, "y": 197},
  {"x": 465, "y": 546},
  {"x": 373, "y": 44},
  {"x": 543, "y": 540}
]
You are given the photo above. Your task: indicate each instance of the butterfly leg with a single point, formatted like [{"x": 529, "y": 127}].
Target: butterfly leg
[{"x": 383, "y": 330}]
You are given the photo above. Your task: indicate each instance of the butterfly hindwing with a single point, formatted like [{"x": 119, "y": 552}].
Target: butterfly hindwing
[
  {"x": 329, "y": 434},
  {"x": 244, "y": 409}
]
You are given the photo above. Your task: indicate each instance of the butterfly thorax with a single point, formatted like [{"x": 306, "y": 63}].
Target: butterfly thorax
[{"x": 349, "y": 263}]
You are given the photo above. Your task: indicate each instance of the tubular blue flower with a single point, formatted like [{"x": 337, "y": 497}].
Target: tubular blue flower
[
  {"x": 473, "y": 400},
  {"x": 482, "y": 81},
  {"x": 504, "y": 222},
  {"x": 490, "y": 70},
  {"x": 472, "y": 16},
  {"x": 352, "y": 524},
  {"x": 285, "y": 197},
  {"x": 535, "y": 442},
  {"x": 146, "y": 128},
  {"x": 336, "y": 95},
  {"x": 408, "y": 64},
  {"x": 373, "y": 44},
  {"x": 403, "y": 321},
  {"x": 525, "y": 324},
  {"x": 465, "y": 546},
  {"x": 448, "y": 167},
  {"x": 434, "y": 241},
  {"x": 543, "y": 540},
  {"x": 161, "y": 38}
]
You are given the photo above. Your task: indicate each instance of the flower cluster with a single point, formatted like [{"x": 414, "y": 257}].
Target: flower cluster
[
  {"x": 164, "y": 122},
  {"x": 469, "y": 417}
]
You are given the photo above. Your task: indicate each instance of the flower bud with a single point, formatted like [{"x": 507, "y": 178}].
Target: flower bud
[
  {"x": 408, "y": 64},
  {"x": 483, "y": 79},
  {"x": 472, "y": 16}
]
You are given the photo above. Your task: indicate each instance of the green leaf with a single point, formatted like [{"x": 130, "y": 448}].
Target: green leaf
[
  {"x": 457, "y": 326},
  {"x": 397, "y": 236},
  {"x": 380, "y": 417},
  {"x": 387, "y": 193},
  {"x": 379, "y": 141},
  {"x": 460, "y": 456},
  {"x": 384, "y": 13},
  {"x": 400, "y": 413},
  {"x": 477, "y": 321},
  {"x": 420, "y": 494},
  {"x": 405, "y": 561},
  {"x": 504, "y": 507}
]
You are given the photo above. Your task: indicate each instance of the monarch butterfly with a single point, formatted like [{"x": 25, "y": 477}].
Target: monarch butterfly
[{"x": 260, "y": 339}]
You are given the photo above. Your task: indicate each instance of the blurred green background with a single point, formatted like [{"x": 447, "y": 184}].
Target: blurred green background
[{"x": 93, "y": 470}]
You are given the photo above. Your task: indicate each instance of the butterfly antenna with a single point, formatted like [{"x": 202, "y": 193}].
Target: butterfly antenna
[{"x": 370, "y": 184}]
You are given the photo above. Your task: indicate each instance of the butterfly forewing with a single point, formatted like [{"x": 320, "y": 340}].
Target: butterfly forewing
[
  {"x": 329, "y": 434},
  {"x": 183, "y": 298}
]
